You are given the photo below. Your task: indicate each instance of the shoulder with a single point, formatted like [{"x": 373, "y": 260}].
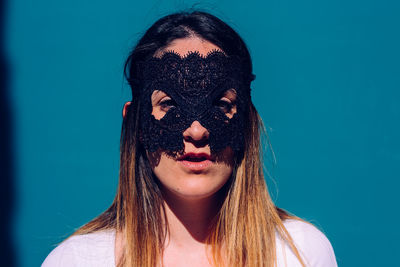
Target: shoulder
[
  {"x": 95, "y": 249},
  {"x": 313, "y": 246}
]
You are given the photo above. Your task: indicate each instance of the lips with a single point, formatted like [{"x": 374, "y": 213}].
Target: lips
[{"x": 196, "y": 161}]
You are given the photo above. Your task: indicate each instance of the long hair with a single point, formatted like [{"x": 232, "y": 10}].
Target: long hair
[{"x": 244, "y": 230}]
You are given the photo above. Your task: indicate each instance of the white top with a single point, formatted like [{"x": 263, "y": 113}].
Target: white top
[{"x": 97, "y": 249}]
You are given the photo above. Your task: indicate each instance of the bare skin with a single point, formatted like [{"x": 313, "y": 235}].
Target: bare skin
[{"x": 191, "y": 199}]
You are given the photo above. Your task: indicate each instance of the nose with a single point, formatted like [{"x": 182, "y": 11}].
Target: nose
[{"x": 196, "y": 132}]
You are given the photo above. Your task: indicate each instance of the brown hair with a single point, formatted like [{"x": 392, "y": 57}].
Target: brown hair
[{"x": 244, "y": 230}]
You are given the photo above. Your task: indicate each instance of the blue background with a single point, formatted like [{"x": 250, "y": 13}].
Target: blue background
[{"x": 327, "y": 88}]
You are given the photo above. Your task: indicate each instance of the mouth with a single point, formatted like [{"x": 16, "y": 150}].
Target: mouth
[
  {"x": 196, "y": 161},
  {"x": 195, "y": 157}
]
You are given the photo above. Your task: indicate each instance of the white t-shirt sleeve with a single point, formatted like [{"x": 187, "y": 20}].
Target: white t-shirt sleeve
[
  {"x": 313, "y": 246},
  {"x": 62, "y": 256},
  {"x": 96, "y": 249}
]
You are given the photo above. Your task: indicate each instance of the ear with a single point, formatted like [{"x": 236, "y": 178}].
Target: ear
[{"x": 125, "y": 108}]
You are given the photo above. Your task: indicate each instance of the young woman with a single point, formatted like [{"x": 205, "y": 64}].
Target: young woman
[{"x": 191, "y": 189}]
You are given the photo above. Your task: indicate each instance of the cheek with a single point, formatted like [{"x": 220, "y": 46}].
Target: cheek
[{"x": 158, "y": 112}]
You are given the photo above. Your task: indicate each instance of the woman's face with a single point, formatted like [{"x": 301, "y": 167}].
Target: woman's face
[{"x": 197, "y": 173}]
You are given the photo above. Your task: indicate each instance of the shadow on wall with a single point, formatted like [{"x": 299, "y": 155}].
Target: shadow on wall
[{"x": 7, "y": 192}]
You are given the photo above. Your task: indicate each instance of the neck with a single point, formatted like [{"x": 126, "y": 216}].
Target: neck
[{"x": 189, "y": 220}]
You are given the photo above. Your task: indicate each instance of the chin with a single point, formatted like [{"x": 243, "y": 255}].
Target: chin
[
  {"x": 194, "y": 186},
  {"x": 197, "y": 192}
]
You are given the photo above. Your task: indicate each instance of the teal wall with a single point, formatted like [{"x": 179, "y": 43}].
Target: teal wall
[{"x": 327, "y": 88}]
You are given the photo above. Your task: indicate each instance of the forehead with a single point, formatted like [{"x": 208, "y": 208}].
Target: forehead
[{"x": 184, "y": 45}]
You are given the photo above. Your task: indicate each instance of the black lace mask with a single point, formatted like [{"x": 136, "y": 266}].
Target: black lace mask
[{"x": 195, "y": 85}]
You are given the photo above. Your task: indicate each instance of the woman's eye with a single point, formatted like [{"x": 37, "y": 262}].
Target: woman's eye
[
  {"x": 224, "y": 105},
  {"x": 167, "y": 103}
]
